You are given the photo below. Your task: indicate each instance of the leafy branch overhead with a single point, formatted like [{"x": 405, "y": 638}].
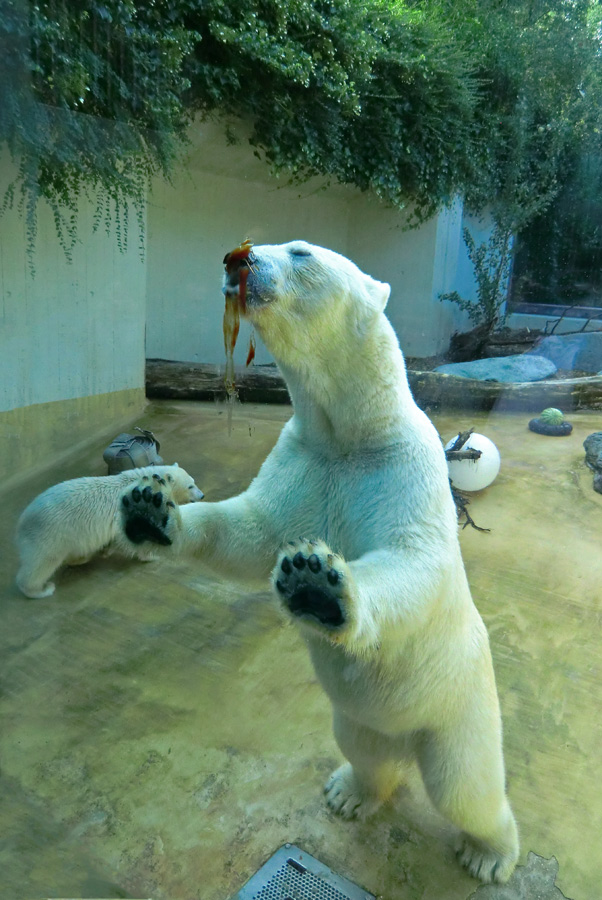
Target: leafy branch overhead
[{"x": 414, "y": 100}]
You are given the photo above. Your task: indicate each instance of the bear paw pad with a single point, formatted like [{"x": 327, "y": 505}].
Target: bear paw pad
[
  {"x": 312, "y": 583},
  {"x": 146, "y": 510}
]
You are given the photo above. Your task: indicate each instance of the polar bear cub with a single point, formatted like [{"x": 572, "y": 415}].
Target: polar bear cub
[
  {"x": 377, "y": 586},
  {"x": 71, "y": 521}
]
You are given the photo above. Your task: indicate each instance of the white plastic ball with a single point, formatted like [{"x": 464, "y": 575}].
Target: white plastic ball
[{"x": 474, "y": 475}]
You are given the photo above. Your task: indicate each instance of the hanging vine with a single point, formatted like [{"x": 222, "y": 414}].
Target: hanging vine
[{"x": 416, "y": 101}]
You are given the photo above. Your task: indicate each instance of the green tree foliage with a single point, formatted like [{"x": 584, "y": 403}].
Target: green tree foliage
[
  {"x": 539, "y": 66},
  {"x": 90, "y": 103},
  {"x": 367, "y": 94},
  {"x": 559, "y": 256},
  {"x": 415, "y": 100}
]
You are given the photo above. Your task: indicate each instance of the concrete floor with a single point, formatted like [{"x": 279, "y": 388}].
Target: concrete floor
[{"x": 163, "y": 734}]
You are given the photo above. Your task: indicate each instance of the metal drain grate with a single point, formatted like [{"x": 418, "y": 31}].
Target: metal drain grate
[{"x": 292, "y": 874}]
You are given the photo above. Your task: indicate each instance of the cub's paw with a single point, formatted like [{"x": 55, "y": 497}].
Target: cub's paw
[
  {"x": 36, "y": 592},
  {"x": 347, "y": 797},
  {"x": 148, "y": 512},
  {"x": 313, "y": 584},
  {"x": 483, "y": 862}
]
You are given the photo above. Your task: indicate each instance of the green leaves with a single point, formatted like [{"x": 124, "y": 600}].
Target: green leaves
[
  {"x": 370, "y": 95},
  {"x": 92, "y": 104},
  {"x": 491, "y": 262},
  {"x": 416, "y": 101}
]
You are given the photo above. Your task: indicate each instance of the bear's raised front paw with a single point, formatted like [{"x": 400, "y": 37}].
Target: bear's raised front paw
[
  {"x": 312, "y": 583},
  {"x": 146, "y": 509}
]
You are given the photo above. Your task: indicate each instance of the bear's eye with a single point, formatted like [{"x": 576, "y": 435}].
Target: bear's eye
[{"x": 299, "y": 251}]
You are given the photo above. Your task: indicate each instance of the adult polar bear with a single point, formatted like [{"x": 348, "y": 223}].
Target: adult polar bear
[{"x": 379, "y": 589}]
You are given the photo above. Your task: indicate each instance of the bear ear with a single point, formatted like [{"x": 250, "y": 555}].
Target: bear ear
[
  {"x": 377, "y": 293},
  {"x": 176, "y": 466}
]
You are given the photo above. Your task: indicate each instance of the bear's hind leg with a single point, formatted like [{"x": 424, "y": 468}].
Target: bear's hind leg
[
  {"x": 360, "y": 786},
  {"x": 465, "y": 781},
  {"x": 33, "y": 578}
]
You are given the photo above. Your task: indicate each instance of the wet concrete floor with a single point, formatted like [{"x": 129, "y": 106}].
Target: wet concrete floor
[{"x": 162, "y": 733}]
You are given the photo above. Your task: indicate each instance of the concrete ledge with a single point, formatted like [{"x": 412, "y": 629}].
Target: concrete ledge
[
  {"x": 167, "y": 379},
  {"x": 31, "y": 435}
]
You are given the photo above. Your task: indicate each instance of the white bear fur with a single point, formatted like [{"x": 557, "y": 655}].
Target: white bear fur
[
  {"x": 72, "y": 521},
  {"x": 361, "y": 468}
]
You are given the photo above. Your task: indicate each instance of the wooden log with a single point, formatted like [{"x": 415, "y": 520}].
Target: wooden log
[
  {"x": 437, "y": 391},
  {"x": 168, "y": 379},
  {"x": 433, "y": 391}
]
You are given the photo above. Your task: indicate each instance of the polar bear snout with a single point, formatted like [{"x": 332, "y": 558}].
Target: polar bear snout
[
  {"x": 243, "y": 280},
  {"x": 232, "y": 275},
  {"x": 255, "y": 277}
]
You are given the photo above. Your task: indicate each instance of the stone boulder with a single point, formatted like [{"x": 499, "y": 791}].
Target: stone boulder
[
  {"x": 593, "y": 457},
  {"x": 593, "y": 450},
  {"x": 522, "y": 367},
  {"x": 576, "y": 352}
]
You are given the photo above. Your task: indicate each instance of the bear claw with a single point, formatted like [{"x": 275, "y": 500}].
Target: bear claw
[
  {"x": 483, "y": 862},
  {"x": 346, "y": 797}
]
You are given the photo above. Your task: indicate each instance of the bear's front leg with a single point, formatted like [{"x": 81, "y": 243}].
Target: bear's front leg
[
  {"x": 314, "y": 585},
  {"x": 234, "y": 538}
]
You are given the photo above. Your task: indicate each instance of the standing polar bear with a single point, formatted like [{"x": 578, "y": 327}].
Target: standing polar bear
[{"x": 377, "y": 586}]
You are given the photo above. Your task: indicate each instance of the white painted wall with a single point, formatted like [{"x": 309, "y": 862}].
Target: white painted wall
[
  {"x": 419, "y": 264},
  {"x": 73, "y": 330},
  {"x": 227, "y": 194},
  {"x": 193, "y": 224},
  {"x": 77, "y": 329}
]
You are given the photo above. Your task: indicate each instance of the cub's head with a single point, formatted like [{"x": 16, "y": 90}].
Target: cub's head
[
  {"x": 182, "y": 484},
  {"x": 303, "y": 298}
]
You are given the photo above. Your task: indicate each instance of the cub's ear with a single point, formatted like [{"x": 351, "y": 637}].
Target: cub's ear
[
  {"x": 176, "y": 465},
  {"x": 377, "y": 293}
]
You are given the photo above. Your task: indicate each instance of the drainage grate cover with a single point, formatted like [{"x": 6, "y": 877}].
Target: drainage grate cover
[{"x": 292, "y": 874}]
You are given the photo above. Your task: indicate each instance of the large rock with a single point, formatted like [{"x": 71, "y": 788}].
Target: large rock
[
  {"x": 593, "y": 450},
  {"x": 593, "y": 457},
  {"x": 577, "y": 352},
  {"x": 523, "y": 367}
]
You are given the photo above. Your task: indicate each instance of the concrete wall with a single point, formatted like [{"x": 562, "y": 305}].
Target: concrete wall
[
  {"x": 69, "y": 333},
  {"x": 72, "y": 338},
  {"x": 419, "y": 264},
  {"x": 195, "y": 222},
  {"x": 226, "y": 194}
]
